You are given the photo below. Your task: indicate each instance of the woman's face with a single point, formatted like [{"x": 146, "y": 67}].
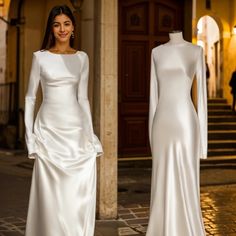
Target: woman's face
[{"x": 62, "y": 28}]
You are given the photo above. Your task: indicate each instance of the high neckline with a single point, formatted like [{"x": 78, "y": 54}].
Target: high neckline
[
  {"x": 176, "y": 38},
  {"x": 62, "y": 54}
]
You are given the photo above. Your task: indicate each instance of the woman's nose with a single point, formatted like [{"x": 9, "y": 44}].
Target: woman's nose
[{"x": 62, "y": 29}]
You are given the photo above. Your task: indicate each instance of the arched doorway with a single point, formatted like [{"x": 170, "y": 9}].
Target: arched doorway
[{"x": 208, "y": 37}]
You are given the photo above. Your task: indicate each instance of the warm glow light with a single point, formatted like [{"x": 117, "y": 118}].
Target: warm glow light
[
  {"x": 226, "y": 34},
  {"x": 234, "y": 30},
  {"x": 1, "y": 7},
  {"x": 200, "y": 43},
  {"x": 200, "y": 26}
]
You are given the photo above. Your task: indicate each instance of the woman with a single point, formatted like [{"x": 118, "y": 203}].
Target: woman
[{"x": 61, "y": 139}]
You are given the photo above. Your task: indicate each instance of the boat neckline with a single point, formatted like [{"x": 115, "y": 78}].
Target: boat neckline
[{"x": 61, "y": 54}]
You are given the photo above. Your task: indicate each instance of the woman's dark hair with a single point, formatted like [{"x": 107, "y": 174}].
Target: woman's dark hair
[{"x": 49, "y": 39}]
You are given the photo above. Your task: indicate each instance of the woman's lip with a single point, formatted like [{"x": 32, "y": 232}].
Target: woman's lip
[{"x": 63, "y": 35}]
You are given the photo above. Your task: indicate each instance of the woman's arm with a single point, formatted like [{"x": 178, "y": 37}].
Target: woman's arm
[
  {"x": 30, "y": 99},
  {"x": 84, "y": 104}
]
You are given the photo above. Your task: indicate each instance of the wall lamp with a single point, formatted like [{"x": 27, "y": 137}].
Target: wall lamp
[{"x": 77, "y": 4}]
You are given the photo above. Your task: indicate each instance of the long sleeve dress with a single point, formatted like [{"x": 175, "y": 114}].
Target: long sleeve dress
[
  {"x": 178, "y": 138},
  {"x": 62, "y": 142}
]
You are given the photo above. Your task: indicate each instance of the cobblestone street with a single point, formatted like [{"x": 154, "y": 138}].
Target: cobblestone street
[
  {"x": 218, "y": 207},
  {"x": 218, "y": 198}
]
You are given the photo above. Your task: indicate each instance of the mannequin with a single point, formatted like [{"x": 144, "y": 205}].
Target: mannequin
[{"x": 178, "y": 138}]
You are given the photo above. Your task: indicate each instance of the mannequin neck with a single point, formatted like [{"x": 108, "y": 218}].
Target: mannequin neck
[{"x": 176, "y": 37}]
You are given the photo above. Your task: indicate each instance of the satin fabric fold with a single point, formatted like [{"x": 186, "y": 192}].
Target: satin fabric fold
[
  {"x": 178, "y": 137},
  {"x": 62, "y": 200},
  {"x": 62, "y": 142}
]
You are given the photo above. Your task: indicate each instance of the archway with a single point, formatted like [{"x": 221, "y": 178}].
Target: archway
[{"x": 208, "y": 37}]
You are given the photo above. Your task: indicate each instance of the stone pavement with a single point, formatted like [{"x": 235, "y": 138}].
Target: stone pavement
[
  {"x": 218, "y": 208},
  {"x": 218, "y": 198}
]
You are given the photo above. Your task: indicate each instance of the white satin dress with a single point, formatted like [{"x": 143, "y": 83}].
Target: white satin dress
[
  {"x": 62, "y": 142},
  {"x": 178, "y": 137}
]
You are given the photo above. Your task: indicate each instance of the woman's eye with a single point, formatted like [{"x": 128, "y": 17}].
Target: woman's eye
[
  {"x": 55, "y": 25},
  {"x": 67, "y": 24}
]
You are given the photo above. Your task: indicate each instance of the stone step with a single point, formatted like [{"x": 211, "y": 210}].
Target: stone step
[
  {"x": 218, "y": 107},
  {"x": 217, "y": 119},
  {"x": 137, "y": 162},
  {"x": 221, "y": 152},
  {"x": 219, "y": 160},
  {"x": 221, "y": 144},
  {"x": 222, "y": 126},
  {"x": 221, "y": 135},
  {"x": 221, "y": 113},
  {"x": 216, "y": 100}
]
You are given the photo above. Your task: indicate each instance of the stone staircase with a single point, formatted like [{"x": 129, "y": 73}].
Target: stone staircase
[
  {"x": 221, "y": 130},
  {"x": 221, "y": 139}
]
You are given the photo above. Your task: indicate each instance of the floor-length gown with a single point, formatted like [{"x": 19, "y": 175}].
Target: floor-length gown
[
  {"x": 178, "y": 137},
  {"x": 63, "y": 144}
]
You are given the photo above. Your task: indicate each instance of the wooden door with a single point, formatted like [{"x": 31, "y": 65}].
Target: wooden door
[{"x": 143, "y": 24}]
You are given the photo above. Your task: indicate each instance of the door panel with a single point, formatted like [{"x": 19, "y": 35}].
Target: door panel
[
  {"x": 166, "y": 19},
  {"x": 135, "y": 18},
  {"x": 143, "y": 25},
  {"x": 134, "y": 71}
]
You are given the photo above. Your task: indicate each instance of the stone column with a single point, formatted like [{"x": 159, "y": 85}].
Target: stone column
[{"x": 105, "y": 104}]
